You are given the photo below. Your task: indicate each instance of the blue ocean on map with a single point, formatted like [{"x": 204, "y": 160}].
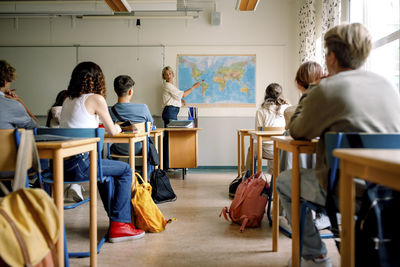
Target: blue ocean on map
[{"x": 227, "y": 79}]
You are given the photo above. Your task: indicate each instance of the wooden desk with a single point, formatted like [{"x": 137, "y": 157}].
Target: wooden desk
[
  {"x": 183, "y": 147},
  {"x": 381, "y": 166},
  {"x": 57, "y": 151},
  {"x": 260, "y": 136},
  {"x": 158, "y": 143},
  {"x": 241, "y": 134},
  {"x": 287, "y": 143},
  {"x": 131, "y": 139}
]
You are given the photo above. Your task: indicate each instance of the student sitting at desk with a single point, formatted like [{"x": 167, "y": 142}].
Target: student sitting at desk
[
  {"x": 84, "y": 104},
  {"x": 13, "y": 111},
  {"x": 53, "y": 121},
  {"x": 125, "y": 110},
  {"x": 349, "y": 100},
  {"x": 270, "y": 114}
]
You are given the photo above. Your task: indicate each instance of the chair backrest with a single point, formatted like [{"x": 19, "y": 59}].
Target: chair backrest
[
  {"x": 143, "y": 127},
  {"x": 13, "y": 163},
  {"x": 79, "y": 133},
  {"x": 356, "y": 140},
  {"x": 271, "y": 129},
  {"x": 9, "y": 142},
  {"x": 8, "y": 148}
]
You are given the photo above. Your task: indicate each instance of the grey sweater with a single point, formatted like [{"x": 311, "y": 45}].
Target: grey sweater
[
  {"x": 14, "y": 115},
  {"x": 350, "y": 101}
]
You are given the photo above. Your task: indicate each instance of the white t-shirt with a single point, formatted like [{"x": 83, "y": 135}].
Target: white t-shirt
[
  {"x": 171, "y": 95},
  {"x": 268, "y": 117},
  {"x": 75, "y": 115}
]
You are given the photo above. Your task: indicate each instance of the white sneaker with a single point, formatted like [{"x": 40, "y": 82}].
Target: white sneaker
[
  {"x": 324, "y": 262},
  {"x": 283, "y": 222},
  {"x": 322, "y": 221},
  {"x": 75, "y": 191}
]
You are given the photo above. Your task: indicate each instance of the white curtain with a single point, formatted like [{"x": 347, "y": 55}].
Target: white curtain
[
  {"x": 307, "y": 31},
  {"x": 331, "y": 12},
  {"x": 311, "y": 45}
]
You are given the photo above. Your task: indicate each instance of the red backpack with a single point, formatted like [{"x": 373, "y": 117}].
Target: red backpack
[{"x": 248, "y": 206}]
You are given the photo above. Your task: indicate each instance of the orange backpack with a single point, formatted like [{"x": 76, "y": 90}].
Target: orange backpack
[{"x": 248, "y": 206}]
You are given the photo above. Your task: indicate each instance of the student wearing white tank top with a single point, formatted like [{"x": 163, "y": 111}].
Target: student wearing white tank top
[{"x": 84, "y": 105}]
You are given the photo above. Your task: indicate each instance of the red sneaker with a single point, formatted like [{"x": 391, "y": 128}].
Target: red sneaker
[{"x": 120, "y": 232}]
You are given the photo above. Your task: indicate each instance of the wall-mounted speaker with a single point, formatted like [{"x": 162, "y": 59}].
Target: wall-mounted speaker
[{"x": 215, "y": 18}]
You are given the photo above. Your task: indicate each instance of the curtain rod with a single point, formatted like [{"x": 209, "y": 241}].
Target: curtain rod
[{"x": 160, "y": 45}]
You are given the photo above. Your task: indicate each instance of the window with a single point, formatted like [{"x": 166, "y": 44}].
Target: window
[{"x": 381, "y": 17}]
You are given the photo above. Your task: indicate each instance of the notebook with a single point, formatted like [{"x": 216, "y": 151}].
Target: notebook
[{"x": 180, "y": 124}]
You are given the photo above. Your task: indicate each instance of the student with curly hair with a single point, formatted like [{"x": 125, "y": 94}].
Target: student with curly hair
[{"x": 84, "y": 104}]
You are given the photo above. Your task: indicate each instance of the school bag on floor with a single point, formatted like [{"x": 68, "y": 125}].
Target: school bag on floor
[
  {"x": 161, "y": 187},
  {"x": 377, "y": 235},
  {"x": 248, "y": 206},
  {"x": 146, "y": 214}
]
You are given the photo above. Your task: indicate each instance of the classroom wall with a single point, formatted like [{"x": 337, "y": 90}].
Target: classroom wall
[{"x": 44, "y": 52}]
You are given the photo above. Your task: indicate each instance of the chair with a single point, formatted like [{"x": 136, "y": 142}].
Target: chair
[
  {"x": 345, "y": 140},
  {"x": 10, "y": 141},
  {"x": 82, "y": 133},
  {"x": 142, "y": 127},
  {"x": 255, "y": 168}
]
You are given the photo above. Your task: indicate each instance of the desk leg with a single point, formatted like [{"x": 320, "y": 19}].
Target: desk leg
[
  {"x": 259, "y": 153},
  {"x": 251, "y": 155},
  {"x": 238, "y": 155},
  {"x": 295, "y": 210},
  {"x": 144, "y": 164},
  {"x": 242, "y": 157},
  {"x": 347, "y": 194},
  {"x": 93, "y": 208},
  {"x": 275, "y": 203},
  {"x": 132, "y": 159},
  {"x": 161, "y": 151},
  {"x": 58, "y": 170}
]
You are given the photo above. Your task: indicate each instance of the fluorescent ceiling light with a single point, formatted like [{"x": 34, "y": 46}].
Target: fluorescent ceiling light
[
  {"x": 119, "y": 5},
  {"x": 153, "y": 5},
  {"x": 246, "y": 5}
]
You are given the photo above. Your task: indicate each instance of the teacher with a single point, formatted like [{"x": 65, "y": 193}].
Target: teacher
[{"x": 172, "y": 96}]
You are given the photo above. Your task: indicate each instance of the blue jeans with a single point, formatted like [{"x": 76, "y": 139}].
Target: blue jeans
[
  {"x": 77, "y": 169},
  {"x": 169, "y": 113},
  {"x": 312, "y": 191}
]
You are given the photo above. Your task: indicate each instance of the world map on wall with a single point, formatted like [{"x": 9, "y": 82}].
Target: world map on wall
[{"x": 223, "y": 79}]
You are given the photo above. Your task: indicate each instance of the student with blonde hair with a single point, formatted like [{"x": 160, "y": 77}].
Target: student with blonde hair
[
  {"x": 308, "y": 74},
  {"x": 348, "y": 100}
]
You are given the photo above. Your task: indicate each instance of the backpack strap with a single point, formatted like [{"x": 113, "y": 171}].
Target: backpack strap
[
  {"x": 114, "y": 111},
  {"x": 244, "y": 222},
  {"x": 224, "y": 211},
  {"x": 40, "y": 224},
  {"x": 20, "y": 240}
]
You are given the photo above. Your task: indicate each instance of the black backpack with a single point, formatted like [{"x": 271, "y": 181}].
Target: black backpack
[
  {"x": 161, "y": 187},
  {"x": 236, "y": 182},
  {"x": 377, "y": 233}
]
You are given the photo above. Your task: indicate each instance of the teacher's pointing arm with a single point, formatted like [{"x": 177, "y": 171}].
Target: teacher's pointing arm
[{"x": 188, "y": 91}]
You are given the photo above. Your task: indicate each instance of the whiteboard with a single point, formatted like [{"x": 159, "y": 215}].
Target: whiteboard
[
  {"x": 41, "y": 73},
  {"x": 44, "y": 71}
]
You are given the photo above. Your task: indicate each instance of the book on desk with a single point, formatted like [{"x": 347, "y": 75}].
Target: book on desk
[{"x": 180, "y": 124}]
